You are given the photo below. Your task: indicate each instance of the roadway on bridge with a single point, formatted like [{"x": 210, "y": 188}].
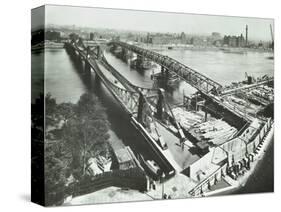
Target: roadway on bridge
[{"x": 110, "y": 77}]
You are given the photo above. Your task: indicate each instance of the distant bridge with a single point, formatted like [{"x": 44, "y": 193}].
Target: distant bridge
[{"x": 192, "y": 77}]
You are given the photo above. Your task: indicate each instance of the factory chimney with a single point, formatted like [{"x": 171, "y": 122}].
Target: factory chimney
[{"x": 246, "y": 35}]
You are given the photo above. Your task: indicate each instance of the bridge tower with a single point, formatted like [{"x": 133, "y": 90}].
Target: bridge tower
[
  {"x": 98, "y": 52},
  {"x": 140, "y": 108},
  {"x": 87, "y": 68},
  {"x": 78, "y": 60},
  {"x": 160, "y": 104},
  {"x": 88, "y": 51},
  {"x": 145, "y": 114}
]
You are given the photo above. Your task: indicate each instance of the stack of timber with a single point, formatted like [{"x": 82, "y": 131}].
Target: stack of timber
[
  {"x": 264, "y": 92},
  {"x": 186, "y": 118},
  {"x": 238, "y": 100},
  {"x": 240, "y": 103},
  {"x": 215, "y": 132}
]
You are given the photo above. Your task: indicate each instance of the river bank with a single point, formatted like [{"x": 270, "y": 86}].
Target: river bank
[{"x": 237, "y": 50}]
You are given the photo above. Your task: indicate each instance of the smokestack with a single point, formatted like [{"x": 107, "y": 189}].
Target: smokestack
[{"x": 246, "y": 35}]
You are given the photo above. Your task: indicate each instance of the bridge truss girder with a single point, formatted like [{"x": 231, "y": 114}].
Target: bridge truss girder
[{"x": 194, "y": 78}]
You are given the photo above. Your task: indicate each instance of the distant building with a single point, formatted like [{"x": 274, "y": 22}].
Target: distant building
[
  {"x": 216, "y": 34},
  {"x": 116, "y": 38},
  {"x": 148, "y": 38},
  {"x": 158, "y": 39},
  {"x": 130, "y": 37},
  {"x": 234, "y": 41},
  {"x": 241, "y": 41},
  {"x": 198, "y": 41},
  {"x": 183, "y": 37},
  {"x": 217, "y": 43},
  {"x": 92, "y": 36},
  {"x": 52, "y": 35}
]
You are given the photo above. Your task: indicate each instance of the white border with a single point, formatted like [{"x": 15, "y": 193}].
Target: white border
[{"x": 15, "y": 103}]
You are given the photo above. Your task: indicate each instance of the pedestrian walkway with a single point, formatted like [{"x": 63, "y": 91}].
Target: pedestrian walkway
[
  {"x": 180, "y": 157},
  {"x": 176, "y": 187}
]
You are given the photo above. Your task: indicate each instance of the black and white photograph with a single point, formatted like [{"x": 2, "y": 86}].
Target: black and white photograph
[{"x": 132, "y": 105}]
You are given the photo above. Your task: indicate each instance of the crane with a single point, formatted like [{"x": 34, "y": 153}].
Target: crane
[{"x": 272, "y": 37}]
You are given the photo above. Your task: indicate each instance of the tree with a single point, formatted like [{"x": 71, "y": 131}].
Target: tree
[
  {"x": 84, "y": 134},
  {"x": 87, "y": 132},
  {"x": 56, "y": 156},
  {"x": 50, "y": 110},
  {"x": 56, "y": 172},
  {"x": 66, "y": 110}
]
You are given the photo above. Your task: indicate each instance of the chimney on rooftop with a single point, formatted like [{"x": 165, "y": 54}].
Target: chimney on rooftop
[{"x": 246, "y": 35}]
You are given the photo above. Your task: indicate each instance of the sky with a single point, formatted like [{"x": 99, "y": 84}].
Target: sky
[{"x": 258, "y": 28}]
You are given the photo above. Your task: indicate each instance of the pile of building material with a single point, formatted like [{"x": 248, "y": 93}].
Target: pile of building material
[
  {"x": 126, "y": 159},
  {"x": 268, "y": 89},
  {"x": 264, "y": 92},
  {"x": 99, "y": 165},
  {"x": 242, "y": 105},
  {"x": 238, "y": 100},
  {"x": 186, "y": 118},
  {"x": 251, "y": 130},
  {"x": 216, "y": 132}
]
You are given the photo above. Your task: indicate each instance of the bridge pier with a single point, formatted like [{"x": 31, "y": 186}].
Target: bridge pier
[
  {"x": 164, "y": 77},
  {"x": 139, "y": 62},
  {"x": 130, "y": 57},
  {"x": 124, "y": 54},
  {"x": 113, "y": 48}
]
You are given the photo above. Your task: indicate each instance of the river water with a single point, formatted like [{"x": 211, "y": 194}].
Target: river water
[{"x": 65, "y": 82}]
